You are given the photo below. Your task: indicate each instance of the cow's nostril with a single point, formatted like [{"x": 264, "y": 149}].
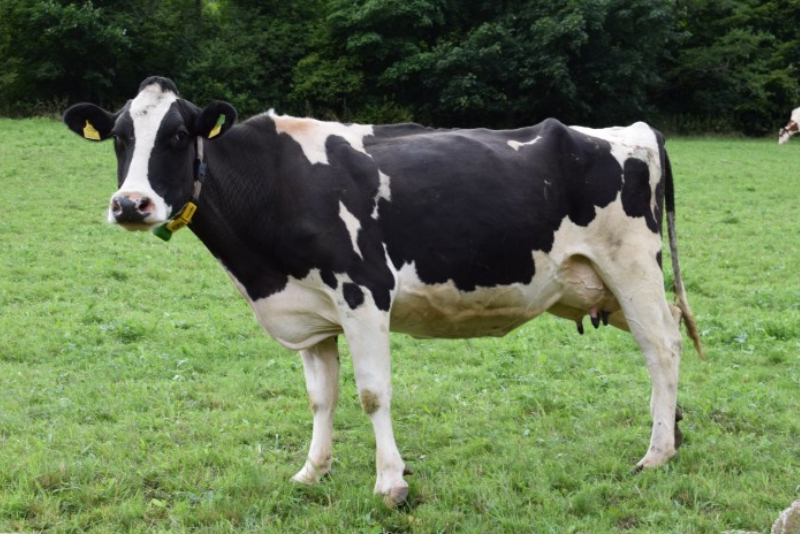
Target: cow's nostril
[
  {"x": 144, "y": 204},
  {"x": 116, "y": 207}
]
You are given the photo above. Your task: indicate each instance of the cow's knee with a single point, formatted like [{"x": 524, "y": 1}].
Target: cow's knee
[{"x": 370, "y": 401}]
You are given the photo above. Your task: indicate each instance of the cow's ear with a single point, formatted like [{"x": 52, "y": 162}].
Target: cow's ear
[
  {"x": 90, "y": 121},
  {"x": 215, "y": 119}
]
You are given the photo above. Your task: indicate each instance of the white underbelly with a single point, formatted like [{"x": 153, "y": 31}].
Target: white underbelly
[
  {"x": 307, "y": 311},
  {"x": 442, "y": 310}
]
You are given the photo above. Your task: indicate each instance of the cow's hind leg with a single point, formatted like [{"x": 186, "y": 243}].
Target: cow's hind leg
[
  {"x": 639, "y": 288},
  {"x": 661, "y": 344},
  {"x": 321, "y": 367}
]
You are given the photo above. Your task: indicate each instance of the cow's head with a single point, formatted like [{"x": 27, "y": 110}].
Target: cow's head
[
  {"x": 156, "y": 137},
  {"x": 791, "y": 127}
]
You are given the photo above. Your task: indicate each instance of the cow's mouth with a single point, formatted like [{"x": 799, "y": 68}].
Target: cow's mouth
[{"x": 137, "y": 226}]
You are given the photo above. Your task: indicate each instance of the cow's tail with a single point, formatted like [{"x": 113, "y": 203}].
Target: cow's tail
[{"x": 680, "y": 292}]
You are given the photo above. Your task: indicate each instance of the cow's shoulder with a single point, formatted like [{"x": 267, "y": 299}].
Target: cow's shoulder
[{"x": 316, "y": 138}]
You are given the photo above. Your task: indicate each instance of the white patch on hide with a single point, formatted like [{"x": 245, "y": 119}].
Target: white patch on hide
[
  {"x": 516, "y": 145},
  {"x": 312, "y": 134},
  {"x": 635, "y": 141},
  {"x": 384, "y": 192},
  {"x": 353, "y": 226},
  {"x": 300, "y": 315}
]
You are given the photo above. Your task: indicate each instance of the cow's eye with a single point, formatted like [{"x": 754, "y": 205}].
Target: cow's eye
[{"x": 181, "y": 135}]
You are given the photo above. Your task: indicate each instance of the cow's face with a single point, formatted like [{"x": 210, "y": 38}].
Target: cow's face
[{"x": 155, "y": 139}]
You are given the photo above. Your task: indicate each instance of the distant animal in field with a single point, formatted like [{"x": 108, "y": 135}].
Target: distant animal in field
[
  {"x": 331, "y": 229},
  {"x": 791, "y": 128}
]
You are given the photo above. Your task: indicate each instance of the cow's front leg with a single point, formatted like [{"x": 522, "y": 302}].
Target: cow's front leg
[
  {"x": 321, "y": 367},
  {"x": 369, "y": 346}
]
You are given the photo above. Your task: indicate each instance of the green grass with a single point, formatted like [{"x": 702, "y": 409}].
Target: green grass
[{"x": 138, "y": 394}]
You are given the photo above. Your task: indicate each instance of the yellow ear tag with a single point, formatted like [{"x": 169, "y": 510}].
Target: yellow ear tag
[
  {"x": 183, "y": 218},
  {"x": 89, "y": 132},
  {"x": 217, "y": 128}
]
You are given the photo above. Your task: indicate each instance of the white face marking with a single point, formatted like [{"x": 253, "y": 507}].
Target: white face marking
[
  {"x": 312, "y": 134},
  {"x": 147, "y": 111},
  {"x": 516, "y": 145},
  {"x": 353, "y": 226}
]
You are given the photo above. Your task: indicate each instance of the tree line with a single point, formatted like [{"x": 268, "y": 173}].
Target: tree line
[{"x": 682, "y": 65}]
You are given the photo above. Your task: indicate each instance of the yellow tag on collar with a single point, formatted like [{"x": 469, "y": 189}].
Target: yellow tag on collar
[
  {"x": 183, "y": 218},
  {"x": 89, "y": 132},
  {"x": 217, "y": 127}
]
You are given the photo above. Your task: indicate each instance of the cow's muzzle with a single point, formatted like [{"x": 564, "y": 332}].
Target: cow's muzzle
[{"x": 131, "y": 208}]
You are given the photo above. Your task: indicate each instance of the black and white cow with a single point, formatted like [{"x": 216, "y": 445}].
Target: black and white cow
[
  {"x": 331, "y": 229},
  {"x": 791, "y": 128}
]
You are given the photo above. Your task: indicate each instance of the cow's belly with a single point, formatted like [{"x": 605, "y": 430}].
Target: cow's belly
[
  {"x": 442, "y": 310},
  {"x": 307, "y": 311},
  {"x": 424, "y": 315}
]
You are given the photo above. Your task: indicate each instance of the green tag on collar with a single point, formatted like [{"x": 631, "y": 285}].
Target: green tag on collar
[{"x": 162, "y": 232}]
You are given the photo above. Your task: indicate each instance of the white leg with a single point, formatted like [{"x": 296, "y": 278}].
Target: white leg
[
  {"x": 369, "y": 346},
  {"x": 662, "y": 351},
  {"x": 657, "y": 332},
  {"x": 321, "y": 367}
]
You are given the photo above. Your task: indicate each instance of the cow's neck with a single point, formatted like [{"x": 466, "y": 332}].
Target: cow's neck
[{"x": 236, "y": 210}]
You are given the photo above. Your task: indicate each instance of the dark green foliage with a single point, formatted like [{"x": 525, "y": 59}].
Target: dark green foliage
[
  {"x": 685, "y": 65},
  {"x": 248, "y": 52},
  {"x": 737, "y": 66},
  {"x": 52, "y": 50}
]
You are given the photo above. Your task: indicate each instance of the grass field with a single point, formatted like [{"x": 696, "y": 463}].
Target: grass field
[{"x": 138, "y": 394}]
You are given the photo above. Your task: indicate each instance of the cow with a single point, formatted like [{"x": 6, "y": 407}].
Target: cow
[
  {"x": 329, "y": 229},
  {"x": 791, "y": 128}
]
